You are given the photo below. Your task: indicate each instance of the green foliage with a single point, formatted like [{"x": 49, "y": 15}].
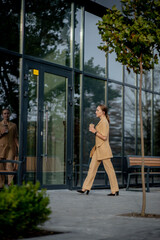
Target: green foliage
[
  {"x": 97, "y": 70},
  {"x": 133, "y": 34},
  {"x": 22, "y": 208}
]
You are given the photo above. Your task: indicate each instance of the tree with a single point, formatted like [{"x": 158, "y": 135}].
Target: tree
[{"x": 133, "y": 34}]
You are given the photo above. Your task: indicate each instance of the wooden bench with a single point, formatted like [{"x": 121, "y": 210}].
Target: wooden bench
[
  {"x": 151, "y": 167},
  {"x": 16, "y": 172}
]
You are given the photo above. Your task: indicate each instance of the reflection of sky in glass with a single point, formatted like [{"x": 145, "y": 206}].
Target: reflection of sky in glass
[
  {"x": 78, "y": 26},
  {"x": 115, "y": 68},
  {"x": 146, "y": 80},
  {"x": 130, "y": 78},
  {"x": 78, "y": 33},
  {"x": 93, "y": 40}
]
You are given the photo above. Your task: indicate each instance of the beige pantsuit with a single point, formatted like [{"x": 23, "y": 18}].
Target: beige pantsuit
[
  {"x": 101, "y": 152},
  {"x": 93, "y": 167},
  {"x": 8, "y": 150}
]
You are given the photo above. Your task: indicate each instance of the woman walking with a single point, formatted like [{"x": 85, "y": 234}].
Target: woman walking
[
  {"x": 8, "y": 145},
  {"x": 101, "y": 152}
]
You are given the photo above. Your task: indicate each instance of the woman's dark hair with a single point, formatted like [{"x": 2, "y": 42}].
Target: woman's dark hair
[
  {"x": 5, "y": 108},
  {"x": 105, "y": 109}
]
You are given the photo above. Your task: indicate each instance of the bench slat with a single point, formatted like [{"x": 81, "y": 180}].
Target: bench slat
[
  {"x": 148, "y": 161},
  {"x": 145, "y": 163}
]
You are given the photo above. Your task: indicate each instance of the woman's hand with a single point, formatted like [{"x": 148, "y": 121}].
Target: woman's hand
[
  {"x": 92, "y": 128},
  {"x": 3, "y": 132}
]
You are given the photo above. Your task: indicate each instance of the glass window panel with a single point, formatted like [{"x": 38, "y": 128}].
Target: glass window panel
[
  {"x": 94, "y": 94},
  {"x": 78, "y": 32},
  {"x": 115, "y": 114},
  {"x": 76, "y": 164},
  {"x": 10, "y": 24},
  {"x": 130, "y": 78},
  {"x": 94, "y": 58},
  {"x": 130, "y": 121},
  {"x": 115, "y": 68},
  {"x": 146, "y": 80},
  {"x": 31, "y": 163},
  {"x": 9, "y": 85},
  {"x": 156, "y": 141},
  {"x": 146, "y": 115},
  {"x": 47, "y": 30},
  {"x": 54, "y": 129},
  {"x": 156, "y": 74}
]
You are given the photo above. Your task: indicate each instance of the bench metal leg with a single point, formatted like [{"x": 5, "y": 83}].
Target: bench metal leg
[
  {"x": 128, "y": 182},
  {"x": 148, "y": 190}
]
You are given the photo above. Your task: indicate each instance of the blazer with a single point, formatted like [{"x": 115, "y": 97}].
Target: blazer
[
  {"x": 103, "y": 149},
  {"x": 8, "y": 148}
]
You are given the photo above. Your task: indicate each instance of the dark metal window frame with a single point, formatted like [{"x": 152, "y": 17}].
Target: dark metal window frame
[{"x": 98, "y": 11}]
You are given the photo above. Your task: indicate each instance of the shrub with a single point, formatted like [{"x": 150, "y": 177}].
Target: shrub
[{"x": 22, "y": 208}]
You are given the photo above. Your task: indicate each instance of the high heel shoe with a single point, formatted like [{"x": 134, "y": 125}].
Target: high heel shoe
[
  {"x": 80, "y": 191},
  {"x": 113, "y": 194}
]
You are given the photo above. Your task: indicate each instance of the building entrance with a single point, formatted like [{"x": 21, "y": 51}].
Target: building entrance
[{"x": 48, "y": 97}]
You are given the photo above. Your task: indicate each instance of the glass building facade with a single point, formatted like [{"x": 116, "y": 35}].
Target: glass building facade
[{"x": 52, "y": 78}]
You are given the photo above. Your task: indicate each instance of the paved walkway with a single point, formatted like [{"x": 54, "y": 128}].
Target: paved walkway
[{"x": 97, "y": 216}]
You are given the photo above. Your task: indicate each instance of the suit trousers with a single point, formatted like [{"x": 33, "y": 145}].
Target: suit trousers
[
  {"x": 9, "y": 167},
  {"x": 93, "y": 167}
]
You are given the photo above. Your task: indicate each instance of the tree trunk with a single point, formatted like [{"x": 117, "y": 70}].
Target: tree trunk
[{"x": 142, "y": 142}]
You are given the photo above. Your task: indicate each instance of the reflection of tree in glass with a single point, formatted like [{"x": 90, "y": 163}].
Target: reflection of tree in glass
[
  {"x": 115, "y": 114},
  {"x": 55, "y": 99},
  {"x": 55, "y": 104},
  {"x": 94, "y": 94},
  {"x": 9, "y": 24},
  {"x": 32, "y": 114},
  {"x": 129, "y": 121},
  {"x": 157, "y": 110},
  {"x": 97, "y": 70},
  {"x": 146, "y": 113},
  {"x": 129, "y": 77},
  {"x": 47, "y": 28},
  {"x": 147, "y": 80},
  {"x": 156, "y": 77},
  {"x": 9, "y": 85},
  {"x": 157, "y": 129},
  {"x": 32, "y": 95}
]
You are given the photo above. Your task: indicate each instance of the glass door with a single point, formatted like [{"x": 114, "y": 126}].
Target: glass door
[
  {"x": 48, "y": 126},
  {"x": 54, "y": 130}
]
